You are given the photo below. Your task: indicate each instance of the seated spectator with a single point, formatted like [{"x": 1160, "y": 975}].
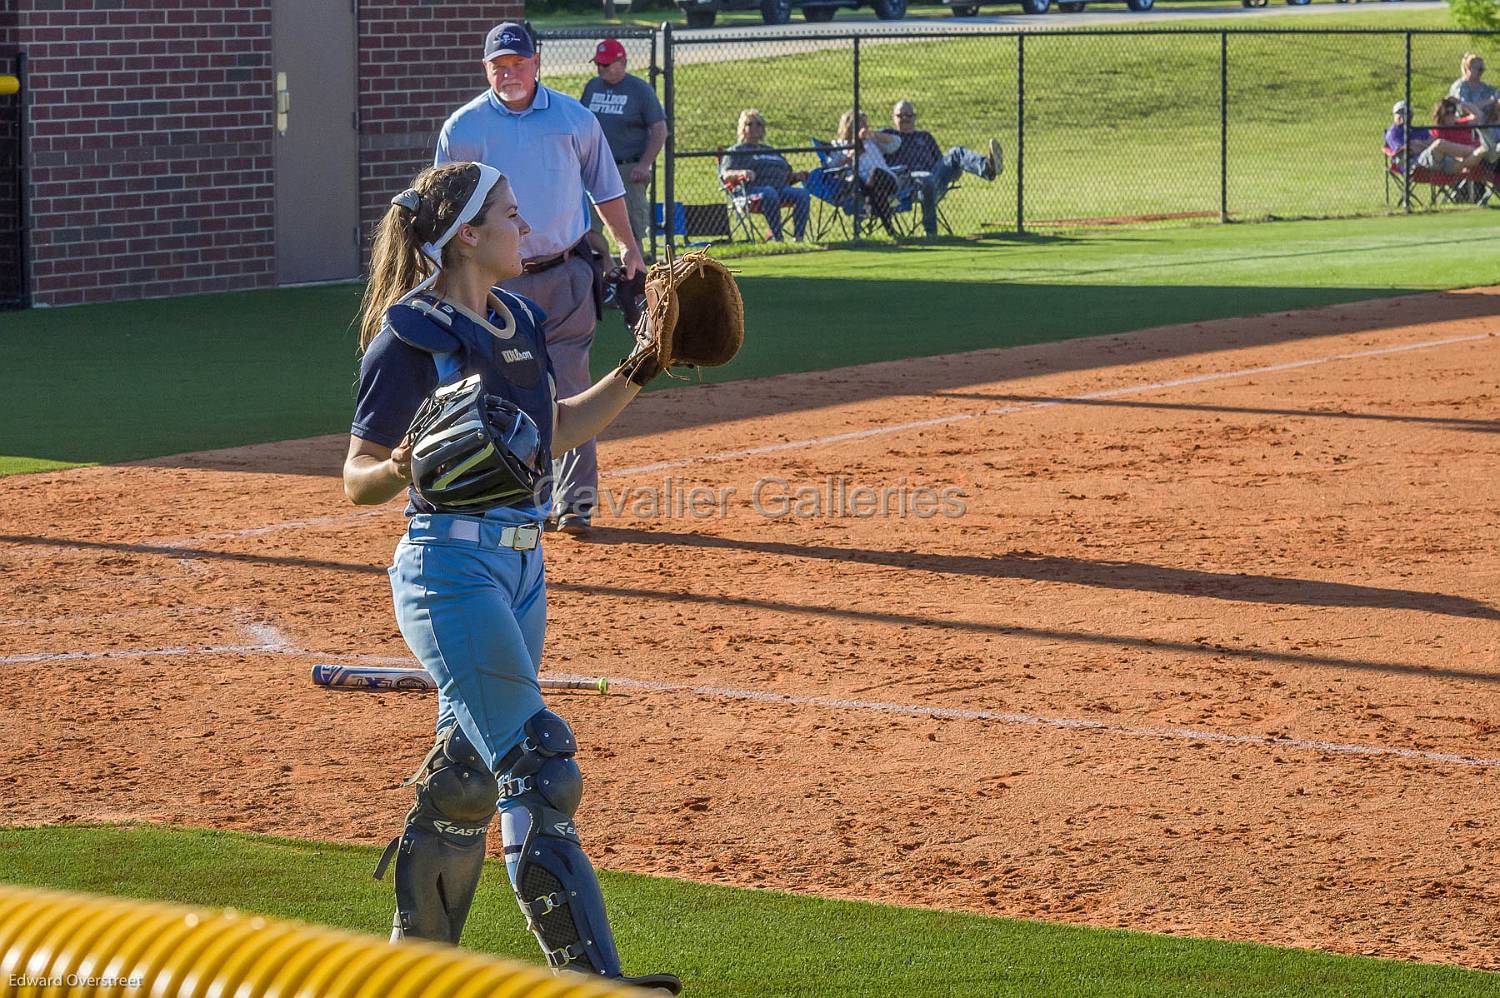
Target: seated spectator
[
  {"x": 1461, "y": 130},
  {"x": 1476, "y": 97},
  {"x": 875, "y": 175},
  {"x": 1449, "y": 125},
  {"x": 931, "y": 171},
  {"x": 1428, "y": 150},
  {"x": 765, "y": 172}
]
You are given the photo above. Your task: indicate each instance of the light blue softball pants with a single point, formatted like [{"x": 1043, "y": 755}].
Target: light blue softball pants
[{"x": 474, "y": 612}]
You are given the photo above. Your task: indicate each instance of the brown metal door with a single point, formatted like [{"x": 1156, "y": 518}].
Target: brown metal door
[{"x": 317, "y": 140}]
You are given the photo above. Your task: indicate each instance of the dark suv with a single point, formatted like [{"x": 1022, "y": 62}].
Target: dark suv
[{"x": 701, "y": 13}]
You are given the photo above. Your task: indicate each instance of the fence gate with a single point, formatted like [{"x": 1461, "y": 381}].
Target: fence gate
[{"x": 14, "y": 268}]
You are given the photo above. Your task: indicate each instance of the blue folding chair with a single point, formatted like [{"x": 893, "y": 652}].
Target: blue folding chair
[
  {"x": 694, "y": 220},
  {"x": 833, "y": 188}
]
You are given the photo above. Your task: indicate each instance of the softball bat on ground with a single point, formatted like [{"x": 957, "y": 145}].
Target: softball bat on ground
[{"x": 362, "y": 677}]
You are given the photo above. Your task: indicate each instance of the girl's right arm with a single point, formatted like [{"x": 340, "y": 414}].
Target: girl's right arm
[{"x": 374, "y": 474}]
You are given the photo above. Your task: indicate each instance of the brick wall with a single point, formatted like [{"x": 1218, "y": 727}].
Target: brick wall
[
  {"x": 150, "y": 146},
  {"x": 152, "y": 132},
  {"x": 419, "y": 62}
]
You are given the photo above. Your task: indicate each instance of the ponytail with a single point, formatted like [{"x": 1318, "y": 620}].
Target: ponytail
[{"x": 418, "y": 215}]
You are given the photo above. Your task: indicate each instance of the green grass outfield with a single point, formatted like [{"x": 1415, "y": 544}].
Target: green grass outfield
[
  {"x": 724, "y": 942},
  {"x": 133, "y": 380},
  {"x": 1116, "y": 126}
]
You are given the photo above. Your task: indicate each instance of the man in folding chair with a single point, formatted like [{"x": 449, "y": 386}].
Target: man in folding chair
[
  {"x": 758, "y": 170},
  {"x": 932, "y": 172}
]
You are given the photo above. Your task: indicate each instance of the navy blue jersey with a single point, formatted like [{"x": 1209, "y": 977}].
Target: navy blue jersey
[{"x": 425, "y": 342}]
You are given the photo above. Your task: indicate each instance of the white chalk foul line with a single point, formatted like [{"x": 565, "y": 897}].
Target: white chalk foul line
[
  {"x": 1042, "y": 721},
  {"x": 1109, "y": 393},
  {"x": 269, "y": 640},
  {"x": 331, "y": 520},
  {"x": 86, "y": 656},
  {"x": 278, "y": 645}
]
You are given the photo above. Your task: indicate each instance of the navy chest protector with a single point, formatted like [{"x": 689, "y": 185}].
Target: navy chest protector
[{"x": 483, "y": 442}]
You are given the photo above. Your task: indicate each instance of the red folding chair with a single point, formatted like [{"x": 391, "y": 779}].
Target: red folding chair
[
  {"x": 742, "y": 205},
  {"x": 1442, "y": 188}
]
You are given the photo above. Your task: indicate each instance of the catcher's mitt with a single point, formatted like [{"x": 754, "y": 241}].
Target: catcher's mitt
[{"x": 694, "y": 317}]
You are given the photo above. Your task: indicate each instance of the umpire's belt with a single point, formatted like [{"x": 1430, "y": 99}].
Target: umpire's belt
[
  {"x": 540, "y": 263},
  {"x": 473, "y": 530}
]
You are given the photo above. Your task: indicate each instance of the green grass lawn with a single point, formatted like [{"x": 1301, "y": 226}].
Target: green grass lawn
[
  {"x": 724, "y": 942},
  {"x": 1116, "y": 126},
  {"x": 141, "y": 379}
]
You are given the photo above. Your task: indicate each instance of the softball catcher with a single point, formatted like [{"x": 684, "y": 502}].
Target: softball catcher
[{"x": 457, "y": 406}]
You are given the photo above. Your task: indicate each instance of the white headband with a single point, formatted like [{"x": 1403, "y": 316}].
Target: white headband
[{"x": 488, "y": 178}]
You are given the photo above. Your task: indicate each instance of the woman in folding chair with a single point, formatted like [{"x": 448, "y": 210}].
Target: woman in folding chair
[
  {"x": 1461, "y": 131},
  {"x": 766, "y": 174},
  {"x": 1429, "y": 150},
  {"x": 875, "y": 175}
]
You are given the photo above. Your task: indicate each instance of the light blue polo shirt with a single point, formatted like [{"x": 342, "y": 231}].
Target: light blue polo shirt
[{"x": 553, "y": 152}]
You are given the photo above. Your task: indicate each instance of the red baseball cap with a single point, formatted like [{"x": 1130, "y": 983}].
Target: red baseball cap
[{"x": 608, "y": 51}]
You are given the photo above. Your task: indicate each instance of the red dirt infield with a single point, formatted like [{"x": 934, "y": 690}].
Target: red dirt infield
[{"x": 1213, "y": 649}]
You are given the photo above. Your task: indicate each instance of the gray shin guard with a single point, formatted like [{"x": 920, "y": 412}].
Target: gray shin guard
[
  {"x": 440, "y": 853},
  {"x": 554, "y": 882}
]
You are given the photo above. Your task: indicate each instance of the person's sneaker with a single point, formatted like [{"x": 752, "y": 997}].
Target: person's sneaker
[
  {"x": 656, "y": 982},
  {"x": 995, "y": 164},
  {"x": 573, "y": 525}
]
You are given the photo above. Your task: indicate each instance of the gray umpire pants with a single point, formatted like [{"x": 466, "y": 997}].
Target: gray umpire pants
[{"x": 566, "y": 294}]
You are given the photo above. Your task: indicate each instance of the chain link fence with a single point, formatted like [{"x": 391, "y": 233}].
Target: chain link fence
[
  {"x": 1097, "y": 128},
  {"x": 13, "y": 261},
  {"x": 567, "y": 64}
]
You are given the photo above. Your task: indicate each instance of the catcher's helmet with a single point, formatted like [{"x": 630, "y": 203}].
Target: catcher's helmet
[{"x": 471, "y": 452}]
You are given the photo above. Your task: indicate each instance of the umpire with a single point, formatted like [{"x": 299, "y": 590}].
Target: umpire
[{"x": 554, "y": 153}]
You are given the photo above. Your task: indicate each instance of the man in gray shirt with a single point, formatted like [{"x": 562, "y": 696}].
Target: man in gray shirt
[{"x": 634, "y": 124}]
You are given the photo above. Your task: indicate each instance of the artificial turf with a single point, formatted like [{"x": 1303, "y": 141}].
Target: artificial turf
[
  {"x": 724, "y": 942},
  {"x": 115, "y": 382}
]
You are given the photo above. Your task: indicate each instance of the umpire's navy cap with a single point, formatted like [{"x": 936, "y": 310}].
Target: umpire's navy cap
[{"x": 508, "y": 39}]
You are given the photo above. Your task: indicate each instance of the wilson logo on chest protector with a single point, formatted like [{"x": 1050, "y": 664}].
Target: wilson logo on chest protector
[{"x": 516, "y": 356}]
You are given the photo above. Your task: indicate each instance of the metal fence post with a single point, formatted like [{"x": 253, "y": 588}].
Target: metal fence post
[
  {"x": 669, "y": 208},
  {"x": 1020, "y": 134},
  {"x": 651, "y": 196},
  {"x": 1224, "y": 126},
  {"x": 1406, "y": 146},
  {"x": 859, "y": 191}
]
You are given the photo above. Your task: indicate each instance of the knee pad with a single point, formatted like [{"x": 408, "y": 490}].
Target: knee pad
[
  {"x": 440, "y": 853},
  {"x": 456, "y": 792},
  {"x": 554, "y": 882}
]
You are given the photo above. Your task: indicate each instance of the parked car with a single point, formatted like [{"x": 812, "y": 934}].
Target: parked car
[
  {"x": 701, "y": 13},
  {"x": 968, "y": 8}
]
